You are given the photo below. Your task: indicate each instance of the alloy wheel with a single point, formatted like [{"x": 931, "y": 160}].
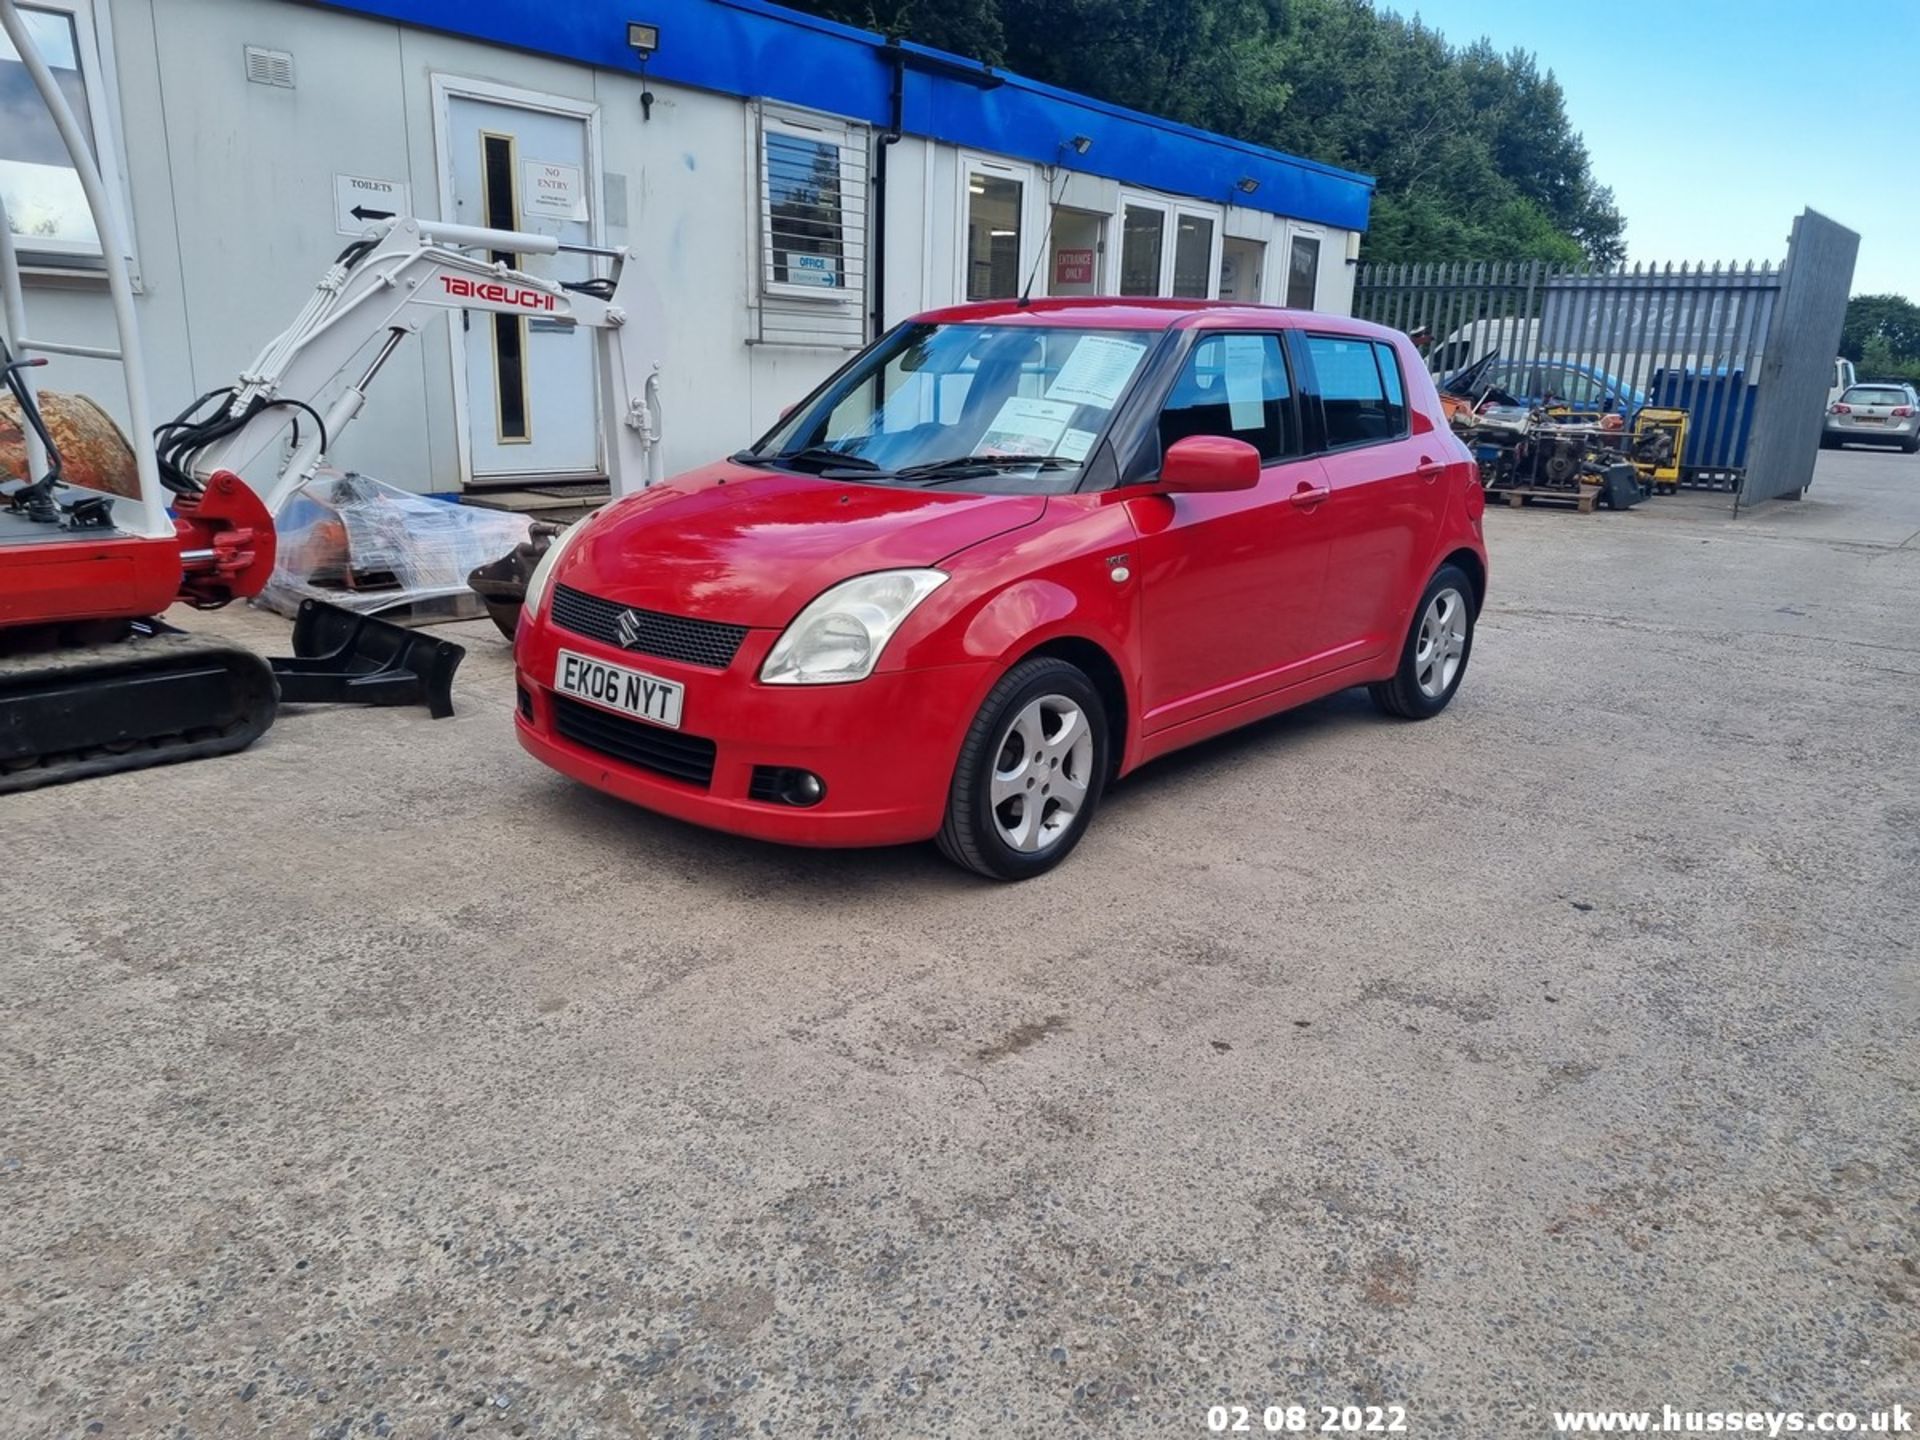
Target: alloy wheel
[
  {"x": 1442, "y": 643},
  {"x": 1041, "y": 770}
]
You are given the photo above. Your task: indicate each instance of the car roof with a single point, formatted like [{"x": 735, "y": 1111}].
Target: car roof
[{"x": 1108, "y": 312}]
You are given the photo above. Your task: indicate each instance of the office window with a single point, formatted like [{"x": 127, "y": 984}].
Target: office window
[
  {"x": 994, "y": 203},
  {"x": 1142, "y": 236},
  {"x": 1193, "y": 257},
  {"x": 1303, "y": 272},
  {"x": 46, "y": 208},
  {"x": 1234, "y": 385},
  {"x": 808, "y": 200}
]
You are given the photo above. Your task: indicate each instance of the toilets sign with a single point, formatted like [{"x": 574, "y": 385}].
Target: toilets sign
[{"x": 363, "y": 200}]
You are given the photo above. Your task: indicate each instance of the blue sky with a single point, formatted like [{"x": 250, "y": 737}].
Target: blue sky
[{"x": 1717, "y": 121}]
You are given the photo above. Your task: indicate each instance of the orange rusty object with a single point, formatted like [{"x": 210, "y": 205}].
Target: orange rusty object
[{"x": 94, "y": 451}]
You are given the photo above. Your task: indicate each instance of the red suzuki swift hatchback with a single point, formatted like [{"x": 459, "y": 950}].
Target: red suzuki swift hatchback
[{"x": 1007, "y": 554}]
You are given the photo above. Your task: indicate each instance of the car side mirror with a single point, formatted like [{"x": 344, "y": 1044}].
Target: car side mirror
[{"x": 1203, "y": 463}]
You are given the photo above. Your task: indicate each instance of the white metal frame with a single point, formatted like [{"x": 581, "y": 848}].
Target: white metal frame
[
  {"x": 1033, "y": 199},
  {"x": 148, "y": 515},
  {"x": 844, "y": 136},
  {"x": 93, "y": 38},
  {"x": 446, "y": 88},
  {"x": 1171, "y": 208}
]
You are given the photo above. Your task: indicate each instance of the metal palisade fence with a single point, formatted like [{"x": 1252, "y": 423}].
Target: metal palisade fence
[{"x": 1737, "y": 346}]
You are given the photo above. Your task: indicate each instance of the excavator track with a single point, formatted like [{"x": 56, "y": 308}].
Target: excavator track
[{"x": 149, "y": 699}]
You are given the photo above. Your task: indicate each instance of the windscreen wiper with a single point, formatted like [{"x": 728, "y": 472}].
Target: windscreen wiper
[
  {"x": 960, "y": 464},
  {"x": 824, "y": 457}
]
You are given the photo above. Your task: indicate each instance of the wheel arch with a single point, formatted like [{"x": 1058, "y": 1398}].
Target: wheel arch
[
  {"x": 1099, "y": 666},
  {"x": 1469, "y": 560}
]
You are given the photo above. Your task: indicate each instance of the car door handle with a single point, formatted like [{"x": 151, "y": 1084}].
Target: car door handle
[
  {"x": 1307, "y": 496},
  {"x": 1428, "y": 468}
]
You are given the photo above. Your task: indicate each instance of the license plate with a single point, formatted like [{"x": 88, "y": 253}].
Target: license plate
[
  {"x": 631, "y": 692},
  {"x": 1869, "y": 419}
]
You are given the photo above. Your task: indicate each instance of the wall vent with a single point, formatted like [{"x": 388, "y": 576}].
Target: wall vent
[{"x": 270, "y": 67}]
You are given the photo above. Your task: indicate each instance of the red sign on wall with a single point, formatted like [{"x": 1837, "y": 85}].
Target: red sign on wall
[{"x": 1073, "y": 267}]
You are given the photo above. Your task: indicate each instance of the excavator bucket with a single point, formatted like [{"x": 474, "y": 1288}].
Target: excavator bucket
[
  {"x": 340, "y": 657},
  {"x": 502, "y": 584}
]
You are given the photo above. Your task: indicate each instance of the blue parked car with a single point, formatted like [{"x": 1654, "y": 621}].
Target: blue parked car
[{"x": 1581, "y": 388}]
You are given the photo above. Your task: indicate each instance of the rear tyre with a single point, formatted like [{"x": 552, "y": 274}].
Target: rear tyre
[
  {"x": 1827, "y": 442},
  {"x": 1030, "y": 774},
  {"x": 1433, "y": 661},
  {"x": 1909, "y": 447}
]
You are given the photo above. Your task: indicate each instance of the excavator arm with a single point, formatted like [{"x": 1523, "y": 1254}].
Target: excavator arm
[{"x": 380, "y": 290}]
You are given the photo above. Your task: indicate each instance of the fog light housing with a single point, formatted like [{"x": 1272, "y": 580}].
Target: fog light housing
[{"x": 783, "y": 785}]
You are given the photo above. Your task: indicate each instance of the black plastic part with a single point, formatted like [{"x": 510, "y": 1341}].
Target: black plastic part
[
  {"x": 650, "y": 747},
  {"x": 340, "y": 657},
  {"x": 1620, "y": 487}
]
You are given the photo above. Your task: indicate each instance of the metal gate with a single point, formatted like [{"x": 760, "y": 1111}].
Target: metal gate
[
  {"x": 1740, "y": 348},
  {"x": 1798, "y": 370}
]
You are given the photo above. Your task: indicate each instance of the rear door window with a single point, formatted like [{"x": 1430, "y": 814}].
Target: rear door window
[{"x": 1353, "y": 392}]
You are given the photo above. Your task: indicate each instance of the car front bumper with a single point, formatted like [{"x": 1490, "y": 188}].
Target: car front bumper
[{"x": 885, "y": 747}]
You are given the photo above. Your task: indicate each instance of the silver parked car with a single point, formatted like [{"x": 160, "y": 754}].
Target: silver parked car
[{"x": 1887, "y": 414}]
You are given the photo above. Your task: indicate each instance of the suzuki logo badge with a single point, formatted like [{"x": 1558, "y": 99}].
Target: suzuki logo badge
[{"x": 627, "y": 628}]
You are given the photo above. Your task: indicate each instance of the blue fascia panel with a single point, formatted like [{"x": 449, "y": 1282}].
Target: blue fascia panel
[{"x": 753, "y": 49}]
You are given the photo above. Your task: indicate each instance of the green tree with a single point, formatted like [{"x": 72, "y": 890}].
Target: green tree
[{"x": 1887, "y": 325}]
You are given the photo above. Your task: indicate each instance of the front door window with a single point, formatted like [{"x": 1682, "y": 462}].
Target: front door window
[{"x": 1234, "y": 385}]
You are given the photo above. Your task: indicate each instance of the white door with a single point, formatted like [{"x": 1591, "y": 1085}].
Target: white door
[{"x": 530, "y": 383}]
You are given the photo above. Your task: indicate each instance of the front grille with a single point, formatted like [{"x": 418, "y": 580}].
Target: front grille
[
  {"x": 672, "y": 637},
  {"x": 665, "y": 752}
]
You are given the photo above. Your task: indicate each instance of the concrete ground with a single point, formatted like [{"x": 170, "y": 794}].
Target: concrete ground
[{"x": 1557, "y": 1053}]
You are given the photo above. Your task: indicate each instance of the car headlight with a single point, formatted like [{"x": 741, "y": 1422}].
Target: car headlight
[
  {"x": 840, "y": 635},
  {"x": 544, "y": 567}
]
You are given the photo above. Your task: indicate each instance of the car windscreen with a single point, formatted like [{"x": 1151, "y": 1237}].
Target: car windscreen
[
  {"x": 1875, "y": 395},
  {"x": 976, "y": 406}
]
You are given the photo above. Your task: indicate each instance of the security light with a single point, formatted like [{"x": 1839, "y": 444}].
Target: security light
[
  {"x": 1246, "y": 185},
  {"x": 643, "y": 40},
  {"x": 1081, "y": 144}
]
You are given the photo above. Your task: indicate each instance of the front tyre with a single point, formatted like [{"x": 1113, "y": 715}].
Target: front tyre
[
  {"x": 1434, "y": 659},
  {"x": 1030, "y": 774}
]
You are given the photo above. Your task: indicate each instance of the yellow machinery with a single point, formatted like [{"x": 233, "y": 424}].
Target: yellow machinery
[{"x": 1659, "y": 440}]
